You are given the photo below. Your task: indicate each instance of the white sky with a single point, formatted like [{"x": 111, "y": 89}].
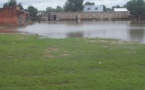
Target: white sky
[{"x": 43, "y": 4}]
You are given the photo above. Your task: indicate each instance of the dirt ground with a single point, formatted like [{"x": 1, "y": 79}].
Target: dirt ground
[{"x": 8, "y": 30}]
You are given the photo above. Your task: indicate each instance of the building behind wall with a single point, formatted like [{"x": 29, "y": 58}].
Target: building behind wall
[
  {"x": 98, "y": 14},
  {"x": 13, "y": 16},
  {"x": 121, "y": 13},
  {"x": 93, "y": 8}
]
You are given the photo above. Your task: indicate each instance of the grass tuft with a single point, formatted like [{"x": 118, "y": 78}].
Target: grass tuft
[{"x": 28, "y": 62}]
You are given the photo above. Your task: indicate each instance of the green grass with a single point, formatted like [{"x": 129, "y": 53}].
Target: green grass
[{"x": 30, "y": 63}]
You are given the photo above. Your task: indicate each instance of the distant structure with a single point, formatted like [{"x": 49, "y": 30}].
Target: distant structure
[
  {"x": 120, "y": 10},
  {"x": 93, "y": 8},
  {"x": 90, "y": 12},
  {"x": 13, "y": 16}
]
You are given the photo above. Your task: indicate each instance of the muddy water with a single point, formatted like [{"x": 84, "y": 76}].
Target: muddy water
[{"x": 124, "y": 30}]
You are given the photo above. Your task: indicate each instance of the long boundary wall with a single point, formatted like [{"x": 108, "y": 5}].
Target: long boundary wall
[{"x": 86, "y": 15}]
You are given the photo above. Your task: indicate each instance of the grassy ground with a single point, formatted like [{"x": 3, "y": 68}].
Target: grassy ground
[{"x": 32, "y": 63}]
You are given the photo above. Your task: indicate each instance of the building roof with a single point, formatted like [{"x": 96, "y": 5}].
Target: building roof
[
  {"x": 22, "y": 12},
  {"x": 120, "y": 10},
  {"x": 93, "y": 8}
]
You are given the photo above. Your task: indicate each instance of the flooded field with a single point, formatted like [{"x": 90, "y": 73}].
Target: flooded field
[{"x": 124, "y": 30}]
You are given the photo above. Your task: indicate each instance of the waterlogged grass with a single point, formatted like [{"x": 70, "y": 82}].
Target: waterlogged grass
[
  {"x": 32, "y": 63},
  {"x": 3, "y": 27}
]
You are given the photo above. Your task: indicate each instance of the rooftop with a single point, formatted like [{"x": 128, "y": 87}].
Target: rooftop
[
  {"x": 93, "y": 8},
  {"x": 120, "y": 9}
]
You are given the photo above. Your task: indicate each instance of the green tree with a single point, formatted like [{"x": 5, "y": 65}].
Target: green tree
[
  {"x": 12, "y": 3},
  {"x": 5, "y": 5},
  {"x": 20, "y": 5},
  {"x": 108, "y": 9},
  {"x": 50, "y": 9},
  {"x": 74, "y": 5},
  {"x": 117, "y": 6},
  {"x": 89, "y": 3},
  {"x": 33, "y": 12},
  {"x": 104, "y": 8},
  {"x": 136, "y": 7},
  {"x": 59, "y": 9}
]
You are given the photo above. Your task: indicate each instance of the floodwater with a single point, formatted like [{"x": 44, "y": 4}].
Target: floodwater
[{"x": 124, "y": 30}]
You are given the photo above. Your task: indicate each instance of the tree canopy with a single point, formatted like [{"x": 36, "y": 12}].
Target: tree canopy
[
  {"x": 12, "y": 3},
  {"x": 89, "y": 3},
  {"x": 33, "y": 12},
  {"x": 104, "y": 8},
  {"x": 74, "y": 5},
  {"x": 136, "y": 7},
  {"x": 57, "y": 9},
  {"x": 117, "y": 6}
]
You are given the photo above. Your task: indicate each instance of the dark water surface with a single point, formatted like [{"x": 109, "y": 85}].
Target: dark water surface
[{"x": 124, "y": 30}]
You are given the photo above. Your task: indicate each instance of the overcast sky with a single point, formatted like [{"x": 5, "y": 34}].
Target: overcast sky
[{"x": 43, "y": 4}]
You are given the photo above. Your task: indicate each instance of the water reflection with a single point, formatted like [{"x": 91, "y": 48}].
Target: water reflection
[
  {"x": 137, "y": 31},
  {"x": 136, "y": 35},
  {"x": 124, "y": 30},
  {"x": 137, "y": 24}
]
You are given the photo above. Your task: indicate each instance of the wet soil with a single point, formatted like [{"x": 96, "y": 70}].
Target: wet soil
[{"x": 8, "y": 30}]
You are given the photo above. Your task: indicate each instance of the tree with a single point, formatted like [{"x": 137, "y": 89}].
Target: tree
[
  {"x": 73, "y": 5},
  {"x": 20, "y": 5},
  {"x": 57, "y": 9},
  {"x": 136, "y": 7},
  {"x": 50, "y": 9},
  {"x": 5, "y": 5},
  {"x": 108, "y": 9},
  {"x": 33, "y": 12},
  {"x": 89, "y": 3},
  {"x": 117, "y": 6},
  {"x": 12, "y": 3},
  {"x": 104, "y": 8}
]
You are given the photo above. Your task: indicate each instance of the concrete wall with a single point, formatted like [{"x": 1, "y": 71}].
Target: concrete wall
[
  {"x": 88, "y": 15},
  {"x": 13, "y": 16},
  {"x": 8, "y": 15}
]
